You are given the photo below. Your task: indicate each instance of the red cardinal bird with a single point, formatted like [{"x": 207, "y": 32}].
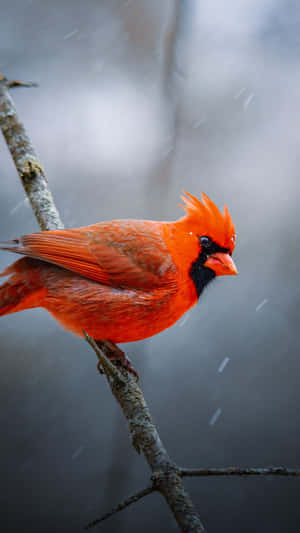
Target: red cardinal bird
[{"x": 123, "y": 280}]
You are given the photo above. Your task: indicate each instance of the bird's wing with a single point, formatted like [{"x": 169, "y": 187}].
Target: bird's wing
[{"x": 129, "y": 254}]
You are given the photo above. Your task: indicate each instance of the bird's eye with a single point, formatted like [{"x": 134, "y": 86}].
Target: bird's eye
[{"x": 205, "y": 242}]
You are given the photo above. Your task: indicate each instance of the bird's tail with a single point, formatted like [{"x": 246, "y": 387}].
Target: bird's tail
[{"x": 22, "y": 290}]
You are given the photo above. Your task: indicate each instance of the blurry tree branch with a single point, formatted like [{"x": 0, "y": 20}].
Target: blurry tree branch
[
  {"x": 173, "y": 59},
  {"x": 169, "y": 46},
  {"x": 170, "y": 88},
  {"x": 166, "y": 475}
]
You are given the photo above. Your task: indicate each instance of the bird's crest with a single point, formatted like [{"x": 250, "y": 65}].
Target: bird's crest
[{"x": 209, "y": 220}]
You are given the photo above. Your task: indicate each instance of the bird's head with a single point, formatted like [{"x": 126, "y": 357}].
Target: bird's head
[{"x": 210, "y": 236}]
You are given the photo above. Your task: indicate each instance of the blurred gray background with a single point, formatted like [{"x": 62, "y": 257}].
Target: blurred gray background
[{"x": 138, "y": 100}]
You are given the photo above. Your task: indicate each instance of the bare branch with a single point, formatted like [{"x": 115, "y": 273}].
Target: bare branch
[
  {"x": 29, "y": 168},
  {"x": 204, "y": 472},
  {"x": 237, "y": 471},
  {"x": 129, "y": 501}
]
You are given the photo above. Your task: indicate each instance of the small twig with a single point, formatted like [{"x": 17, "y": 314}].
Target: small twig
[
  {"x": 237, "y": 471},
  {"x": 17, "y": 83},
  {"x": 129, "y": 501}
]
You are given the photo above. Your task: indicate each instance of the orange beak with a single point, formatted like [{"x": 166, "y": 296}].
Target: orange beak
[{"x": 222, "y": 264}]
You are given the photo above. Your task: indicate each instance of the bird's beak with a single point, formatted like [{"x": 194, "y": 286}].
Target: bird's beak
[{"x": 222, "y": 264}]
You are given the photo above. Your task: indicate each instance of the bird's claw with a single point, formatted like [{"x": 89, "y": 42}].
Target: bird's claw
[
  {"x": 100, "y": 368},
  {"x": 114, "y": 353},
  {"x": 126, "y": 363}
]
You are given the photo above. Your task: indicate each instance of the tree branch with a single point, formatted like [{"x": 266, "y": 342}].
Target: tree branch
[
  {"x": 237, "y": 471},
  {"x": 199, "y": 472},
  {"x": 129, "y": 501},
  {"x": 145, "y": 437},
  {"x": 29, "y": 168}
]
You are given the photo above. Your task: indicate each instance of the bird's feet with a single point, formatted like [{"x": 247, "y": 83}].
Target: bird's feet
[{"x": 114, "y": 353}]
